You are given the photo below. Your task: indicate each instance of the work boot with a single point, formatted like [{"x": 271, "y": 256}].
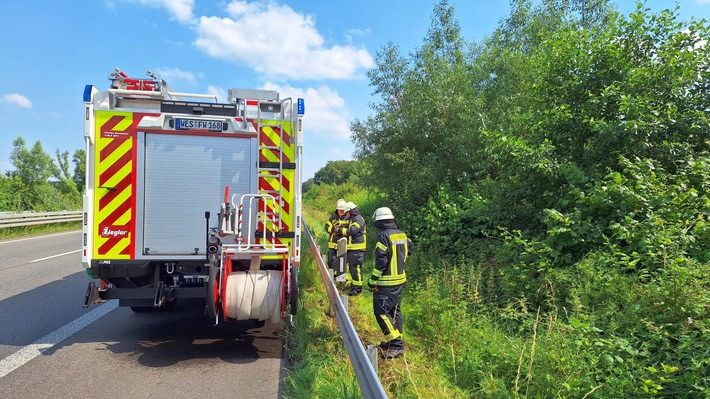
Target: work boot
[
  {"x": 384, "y": 345},
  {"x": 392, "y": 353},
  {"x": 355, "y": 291}
]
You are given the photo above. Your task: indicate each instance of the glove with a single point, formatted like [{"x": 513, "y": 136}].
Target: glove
[{"x": 372, "y": 285}]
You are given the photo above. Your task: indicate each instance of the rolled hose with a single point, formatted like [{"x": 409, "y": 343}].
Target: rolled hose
[{"x": 254, "y": 295}]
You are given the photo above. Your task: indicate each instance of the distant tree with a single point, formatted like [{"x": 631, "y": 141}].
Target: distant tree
[
  {"x": 336, "y": 172},
  {"x": 79, "y": 177},
  {"x": 38, "y": 183},
  {"x": 33, "y": 166},
  {"x": 65, "y": 183}
]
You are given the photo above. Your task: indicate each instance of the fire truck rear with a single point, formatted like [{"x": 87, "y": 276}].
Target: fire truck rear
[{"x": 187, "y": 197}]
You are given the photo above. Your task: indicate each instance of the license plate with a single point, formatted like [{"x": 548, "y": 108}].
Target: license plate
[{"x": 198, "y": 124}]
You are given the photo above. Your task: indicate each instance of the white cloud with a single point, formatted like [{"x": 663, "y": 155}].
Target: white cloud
[
  {"x": 17, "y": 99},
  {"x": 326, "y": 114},
  {"x": 350, "y": 33},
  {"x": 175, "y": 75},
  {"x": 278, "y": 43},
  {"x": 703, "y": 1},
  {"x": 179, "y": 9},
  {"x": 218, "y": 92}
]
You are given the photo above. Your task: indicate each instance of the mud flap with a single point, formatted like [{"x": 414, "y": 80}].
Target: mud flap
[{"x": 92, "y": 294}]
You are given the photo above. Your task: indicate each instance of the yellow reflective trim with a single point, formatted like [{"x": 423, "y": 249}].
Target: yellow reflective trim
[
  {"x": 398, "y": 238},
  {"x": 390, "y": 281},
  {"x": 381, "y": 246},
  {"x": 394, "y": 270},
  {"x": 394, "y": 333},
  {"x": 377, "y": 273},
  {"x": 358, "y": 246}
]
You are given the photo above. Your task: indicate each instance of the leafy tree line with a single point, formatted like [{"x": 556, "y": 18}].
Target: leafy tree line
[
  {"x": 555, "y": 174},
  {"x": 41, "y": 183}
]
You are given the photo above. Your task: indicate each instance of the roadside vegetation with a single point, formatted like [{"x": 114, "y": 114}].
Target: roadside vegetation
[
  {"x": 25, "y": 231},
  {"x": 555, "y": 179},
  {"x": 39, "y": 182}
]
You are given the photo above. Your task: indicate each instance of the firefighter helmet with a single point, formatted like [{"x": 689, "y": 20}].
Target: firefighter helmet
[
  {"x": 383, "y": 213},
  {"x": 341, "y": 205},
  {"x": 350, "y": 206}
]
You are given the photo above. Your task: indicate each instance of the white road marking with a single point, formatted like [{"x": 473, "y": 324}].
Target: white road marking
[
  {"x": 29, "y": 352},
  {"x": 55, "y": 256},
  {"x": 36, "y": 237}
]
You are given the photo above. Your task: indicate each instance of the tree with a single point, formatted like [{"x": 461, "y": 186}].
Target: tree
[
  {"x": 65, "y": 181},
  {"x": 337, "y": 172},
  {"x": 38, "y": 182},
  {"x": 425, "y": 127},
  {"x": 79, "y": 176}
]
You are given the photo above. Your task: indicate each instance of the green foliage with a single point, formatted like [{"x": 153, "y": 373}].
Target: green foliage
[
  {"x": 338, "y": 172},
  {"x": 79, "y": 176},
  {"x": 555, "y": 178},
  {"x": 37, "y": 183}
]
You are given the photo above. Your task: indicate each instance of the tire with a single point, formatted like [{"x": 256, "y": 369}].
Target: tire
[
  {"x": 142, "y": 309},
  {"x": 293, "y": 294},
  {"x": 212, "y": 286},
  {"x": 169, "y": 306}
]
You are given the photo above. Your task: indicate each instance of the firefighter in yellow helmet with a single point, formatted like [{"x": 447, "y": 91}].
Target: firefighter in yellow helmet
[
  {"x": 387, "y": 281},
  {"x": 355, "y": 231},
  {"x": 332, "y": 226}
]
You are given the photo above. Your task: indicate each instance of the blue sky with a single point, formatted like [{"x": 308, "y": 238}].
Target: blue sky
[{"x": 317, "y": 50}]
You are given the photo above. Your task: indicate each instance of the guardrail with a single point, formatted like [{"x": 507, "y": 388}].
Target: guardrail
[
  {"x": 35, "y": 218},
  {"x": 370, "y": 384}
]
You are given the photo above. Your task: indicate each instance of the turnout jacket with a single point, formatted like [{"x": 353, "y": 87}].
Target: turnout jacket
[
  {"x": 355, "y": 230},
  {"x": 332, "y": 226},
  {"x": 391, "y": 252}
]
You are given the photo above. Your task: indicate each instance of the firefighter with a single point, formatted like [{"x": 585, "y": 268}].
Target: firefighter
[
  {"x": 388, "y": 279},
  {"x": 355, "y": 231},
  {"x": 332, "y": 226}
]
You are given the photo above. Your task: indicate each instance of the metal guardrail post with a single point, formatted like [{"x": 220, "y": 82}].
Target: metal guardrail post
[{"x": 370, "y": 385}]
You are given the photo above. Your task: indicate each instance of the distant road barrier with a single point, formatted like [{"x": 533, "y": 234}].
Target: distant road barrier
[
  {"x": 34, "y": 218},
  {"x": 370, "y": 385}
]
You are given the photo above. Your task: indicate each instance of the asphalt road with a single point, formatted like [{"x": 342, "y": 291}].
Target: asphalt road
[{"x": 51, "y": 347}]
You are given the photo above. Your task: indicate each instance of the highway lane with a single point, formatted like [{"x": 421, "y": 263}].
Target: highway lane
[{"x": 119, "y": 354}]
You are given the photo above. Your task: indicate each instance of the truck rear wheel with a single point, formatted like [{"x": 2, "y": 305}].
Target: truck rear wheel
[
  {"x": 293, "y": 294},
  {"x": 213, "y": 292}
]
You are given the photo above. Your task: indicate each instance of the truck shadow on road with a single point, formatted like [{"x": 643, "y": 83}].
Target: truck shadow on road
[{"x": 186, "y": 335}]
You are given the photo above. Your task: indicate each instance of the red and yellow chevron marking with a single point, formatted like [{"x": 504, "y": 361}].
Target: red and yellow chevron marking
[
  {"x": 270, "y": 136},
  {"x": 270, "y": 182},
  {"x": 114, "y": 187}
]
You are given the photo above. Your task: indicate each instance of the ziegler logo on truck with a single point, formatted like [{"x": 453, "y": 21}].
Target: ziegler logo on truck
[{"x": 113, "y": 231}]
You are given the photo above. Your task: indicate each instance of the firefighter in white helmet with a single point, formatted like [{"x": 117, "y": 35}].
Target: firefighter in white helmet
[
  {"x": 355, "y": 231},
  {"x": 387, "y": 281},
  {"x": 333, "y": 227}
]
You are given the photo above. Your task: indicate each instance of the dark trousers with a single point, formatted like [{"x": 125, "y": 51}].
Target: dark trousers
[
  {"x": 355, "y": 261},
  {"x": 386, "y": 306},
  {"x": 332, "y": 257},
  {"x": 333, "y": 262}
]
